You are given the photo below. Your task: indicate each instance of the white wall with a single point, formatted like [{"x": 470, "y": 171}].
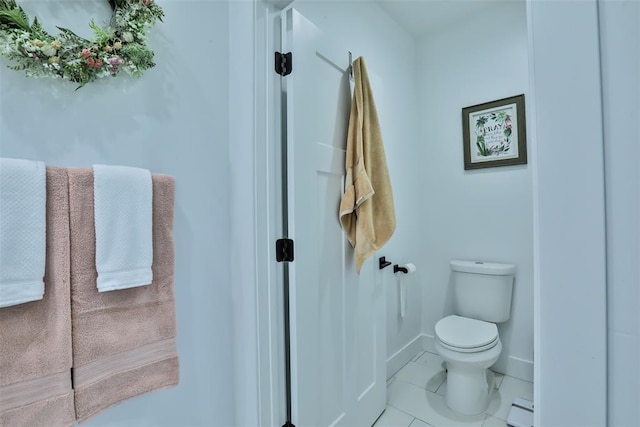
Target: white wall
[
  {"x": 174, "y": 120},
  {"x": 620, "y": 50},
  {"x": 389, "y": 52},
  {"x": 485, "y": 214},
  {"x": 569, "y": 205}
]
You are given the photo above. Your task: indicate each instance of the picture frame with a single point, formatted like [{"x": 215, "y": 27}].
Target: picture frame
[{"x": 494, "y": 133}]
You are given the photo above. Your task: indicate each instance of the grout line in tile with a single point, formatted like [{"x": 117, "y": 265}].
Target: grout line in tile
[
  {"x": 488, "y": 414},
  {"x": 497, "y": 417},
  {"x": 516, "y": 378},
  {"x": 420, "y": 419},
  {"x": 408, "y": 361},
  {"x": 404, "y": 412}
]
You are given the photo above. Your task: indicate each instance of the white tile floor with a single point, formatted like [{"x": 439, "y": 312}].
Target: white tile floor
[{"x": 415, "y": 398}]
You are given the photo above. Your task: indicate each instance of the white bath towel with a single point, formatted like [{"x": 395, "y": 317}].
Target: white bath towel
[
  {"x": 123, "y": 210},
  {"x": 23, "y": 198}
]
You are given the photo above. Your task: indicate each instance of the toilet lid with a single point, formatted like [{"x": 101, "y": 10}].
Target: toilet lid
[{"x": 465, "y": 333}]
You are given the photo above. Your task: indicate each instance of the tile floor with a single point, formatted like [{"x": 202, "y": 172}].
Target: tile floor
[{"x": 415, "y": 398}]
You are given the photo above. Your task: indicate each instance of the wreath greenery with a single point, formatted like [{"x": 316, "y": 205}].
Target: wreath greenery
[{"x": 119, "y": 46}]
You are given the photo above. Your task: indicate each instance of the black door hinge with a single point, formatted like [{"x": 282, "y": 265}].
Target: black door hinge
[
  {"x": 284, "y": 250},
  {"x": 283, "y": 63}
]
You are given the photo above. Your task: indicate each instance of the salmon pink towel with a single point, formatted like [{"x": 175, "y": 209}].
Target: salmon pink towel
[
  {"x": 35, "y": 337},
  {"x": 124, "y": 341}
]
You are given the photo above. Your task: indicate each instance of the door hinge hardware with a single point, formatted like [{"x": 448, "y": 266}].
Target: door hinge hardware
[
  {"x": 283, "y": 63},
  {"x": 284, "y": 250}
]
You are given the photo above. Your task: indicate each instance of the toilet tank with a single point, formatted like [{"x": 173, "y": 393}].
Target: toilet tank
[{"x": 482, "y": 290}]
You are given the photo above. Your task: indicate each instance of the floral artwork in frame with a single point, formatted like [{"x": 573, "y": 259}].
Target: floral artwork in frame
[{"x": 494, "y": 133}]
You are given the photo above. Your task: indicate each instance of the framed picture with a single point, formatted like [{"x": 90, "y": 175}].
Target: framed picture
[{"x": 495, "y": 134}]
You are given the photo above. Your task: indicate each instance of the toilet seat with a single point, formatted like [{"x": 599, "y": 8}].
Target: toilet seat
[{"x": 466, "y": 335}]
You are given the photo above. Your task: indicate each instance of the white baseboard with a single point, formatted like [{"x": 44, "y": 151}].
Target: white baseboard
[
  {"x": 511, "y": 365},
  {"x": 404, "y": 355},
  {"x": 515, "y": 367},
  {"x": 427, "y": 343}
]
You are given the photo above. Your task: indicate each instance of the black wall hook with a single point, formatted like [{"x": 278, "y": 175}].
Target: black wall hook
[
  {"x": 397, "y": 268},
  {"x": 382, "y": 263}
]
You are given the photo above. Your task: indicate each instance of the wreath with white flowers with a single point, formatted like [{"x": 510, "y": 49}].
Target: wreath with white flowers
[{"x": 119, "y": 46}]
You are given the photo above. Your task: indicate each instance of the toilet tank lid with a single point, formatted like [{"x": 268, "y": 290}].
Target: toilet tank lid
[{"x": 480, "y": 267}]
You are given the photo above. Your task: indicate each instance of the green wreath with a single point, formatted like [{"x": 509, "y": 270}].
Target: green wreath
[{"x": 120, "y": 46}]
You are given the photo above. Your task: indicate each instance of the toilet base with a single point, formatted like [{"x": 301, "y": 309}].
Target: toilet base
[
  {"x": 469, "y": 392},
  {"x": 470, "y": 383}
]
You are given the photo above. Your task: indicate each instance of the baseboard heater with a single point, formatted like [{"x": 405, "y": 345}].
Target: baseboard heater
[{"x": 521, "y": 413}]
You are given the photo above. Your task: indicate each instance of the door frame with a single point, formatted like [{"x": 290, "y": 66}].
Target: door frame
[
  {"x": 269, "y": 200},
  {"x": 555, "y": 340}
]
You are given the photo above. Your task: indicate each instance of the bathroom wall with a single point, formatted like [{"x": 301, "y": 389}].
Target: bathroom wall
[
  {"x": 620, "y": 50},
  {"x": 365, "y": 29},
  {"x": 485, "y": 214},
  {"x": 174, "y": 120}
]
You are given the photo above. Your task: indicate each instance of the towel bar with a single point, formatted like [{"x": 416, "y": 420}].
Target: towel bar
[{"x": 382, "y": 263}]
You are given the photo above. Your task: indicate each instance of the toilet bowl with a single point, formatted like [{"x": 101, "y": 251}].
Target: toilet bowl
[{"x": 469, "y": 347}]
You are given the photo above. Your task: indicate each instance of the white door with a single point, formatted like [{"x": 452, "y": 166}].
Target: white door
[{"x": 337, "y": 317}]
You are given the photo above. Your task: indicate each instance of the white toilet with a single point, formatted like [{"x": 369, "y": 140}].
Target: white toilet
[{"x": 469, "y": 341}]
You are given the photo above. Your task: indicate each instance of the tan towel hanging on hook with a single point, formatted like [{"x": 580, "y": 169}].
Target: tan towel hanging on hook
[{"x": 367, "y": 213}]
